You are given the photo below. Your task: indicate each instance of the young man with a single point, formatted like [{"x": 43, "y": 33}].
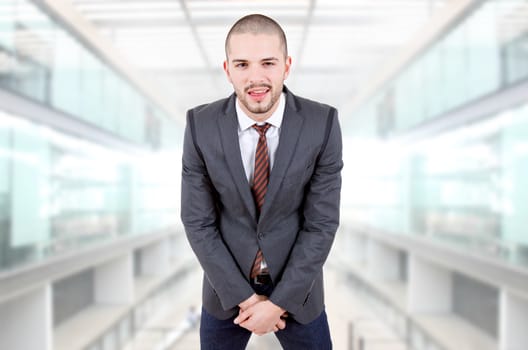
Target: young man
[{"x": 261, "y": 184}]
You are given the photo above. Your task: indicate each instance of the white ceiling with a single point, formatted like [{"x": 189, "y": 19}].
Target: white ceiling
[{"x": 336, "y": 45}]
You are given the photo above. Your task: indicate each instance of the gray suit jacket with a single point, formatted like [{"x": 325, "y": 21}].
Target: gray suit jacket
[{"x": 299, "y": 217}]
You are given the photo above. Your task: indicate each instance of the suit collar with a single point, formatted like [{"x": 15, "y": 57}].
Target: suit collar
[
  {"x": 291, "y": 100},
  {"x": 228, "y": 127}
]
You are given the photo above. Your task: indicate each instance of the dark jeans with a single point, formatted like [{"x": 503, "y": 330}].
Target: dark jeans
[{"x": 218, "y": 334}]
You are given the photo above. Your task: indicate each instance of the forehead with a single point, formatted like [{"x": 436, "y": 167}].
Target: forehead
[{"x": 249, "y": 45}]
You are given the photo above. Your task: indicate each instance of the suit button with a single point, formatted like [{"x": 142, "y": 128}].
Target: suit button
[{"x": 260, "y": 235}]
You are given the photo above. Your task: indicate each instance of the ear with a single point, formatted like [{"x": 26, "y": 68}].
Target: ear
[
  {"x": 226, "y": 70},
  {"x": 287, "y": 67}
]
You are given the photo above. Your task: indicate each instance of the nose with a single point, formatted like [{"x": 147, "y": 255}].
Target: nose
[{"x": 256, "y": 74}]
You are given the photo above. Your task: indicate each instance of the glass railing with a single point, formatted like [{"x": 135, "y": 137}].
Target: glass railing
[
  {"x": 59, "y": 193},
  {"x": 466, "y": 187},
  {"x": 482, "y": 54},
  {"x": 40, "y": 59}
]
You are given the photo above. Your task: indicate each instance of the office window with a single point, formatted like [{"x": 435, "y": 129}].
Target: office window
[
  {"x": 514, "y": 184},
  {"x": 85, "y": 182},
  {"x": 44, "y": 61},
  {"x": 410, "y": 96},
  {"x": 483, "y": 64},
  {"x": 402, "y": 88},
  {"x": 415, "y": 100},
  {"x": 111, "y": 105},
  {"x": 456, "y": 191},
  {"x": 433, "y": 82},
  {"x": 91, "y": 88},
  {"x": 7, "y": 29},
  {"x": 32, "y": 43},
  {"x": 7, "y": 23},
  {"x": 516, "y": 59},
  {"x": 30, "y": 188},
  {"x": 66, "y": 78},
  {"x": 454, "y": 62},
  {"x": 512, "y": 34},
  {"x": 131, "y": 116}
]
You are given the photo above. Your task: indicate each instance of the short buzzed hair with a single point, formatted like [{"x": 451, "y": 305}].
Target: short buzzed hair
[{"x": 257, "y": 24}]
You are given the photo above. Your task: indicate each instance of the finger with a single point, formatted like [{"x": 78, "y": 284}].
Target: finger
[
  {"x": 281, "y": 324},
  {"x": 285, "y": 314},
  {"x": 242, "y": 316},
  {"x": 275, "y": 329}
]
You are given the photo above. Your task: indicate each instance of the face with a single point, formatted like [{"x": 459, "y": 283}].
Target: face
[{"x": 257, "y": 68}]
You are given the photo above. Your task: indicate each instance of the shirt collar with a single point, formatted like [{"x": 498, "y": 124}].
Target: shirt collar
[{"x": 245, "y": 122}]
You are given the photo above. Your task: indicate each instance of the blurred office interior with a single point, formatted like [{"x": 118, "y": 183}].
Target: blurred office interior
[{"x": 432, "y": 251}]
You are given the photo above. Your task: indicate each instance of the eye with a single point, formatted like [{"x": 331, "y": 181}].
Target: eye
[
  {"x": 241, "y": 65},
  {"x": 269, "y": 63}
]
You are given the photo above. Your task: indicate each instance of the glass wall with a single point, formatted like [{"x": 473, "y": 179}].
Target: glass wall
[
  {"x": 59, "y": 193},
  {"x": 467, "y": 187},
  {"x": 486, "y": 52},
  {"x": 41, "y": 60}
]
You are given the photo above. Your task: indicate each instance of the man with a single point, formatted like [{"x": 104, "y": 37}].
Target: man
[{"x": 261, "y": 183}]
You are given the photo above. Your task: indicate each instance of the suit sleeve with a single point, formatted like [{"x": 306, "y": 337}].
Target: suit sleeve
[
  {"x": 199, "y": 217},
  {"x": 321, "y": 220}
]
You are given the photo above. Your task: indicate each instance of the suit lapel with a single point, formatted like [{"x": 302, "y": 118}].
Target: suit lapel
[
  {"x": 290, "y": 130},
  {"x": 228, "y": 126}
]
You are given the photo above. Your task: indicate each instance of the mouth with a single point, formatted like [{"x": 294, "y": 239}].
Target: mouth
[{"x": 258, "y": 93}]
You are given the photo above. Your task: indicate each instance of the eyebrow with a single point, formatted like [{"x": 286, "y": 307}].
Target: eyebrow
[
  {"x": 270, "y": 59},
  {"x": 240, "y": 60}
]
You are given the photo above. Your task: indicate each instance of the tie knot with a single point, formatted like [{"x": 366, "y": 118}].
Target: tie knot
[{"x": 261, "y": 129}]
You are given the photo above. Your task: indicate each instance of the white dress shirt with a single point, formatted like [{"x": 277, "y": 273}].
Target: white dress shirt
[{"x": 248, "y": 136}]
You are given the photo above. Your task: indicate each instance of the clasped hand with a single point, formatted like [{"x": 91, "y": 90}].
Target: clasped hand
[{"x": 260, "y": 316}]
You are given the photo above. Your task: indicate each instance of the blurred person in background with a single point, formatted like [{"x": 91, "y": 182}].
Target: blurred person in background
[{"x": 261, "y": 182}]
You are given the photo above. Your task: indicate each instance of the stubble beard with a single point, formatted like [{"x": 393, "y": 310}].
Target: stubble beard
[{"x": 260, "y": 108}]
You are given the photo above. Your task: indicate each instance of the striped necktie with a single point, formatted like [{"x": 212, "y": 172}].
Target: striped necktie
[{"x": 260, "y": 184}]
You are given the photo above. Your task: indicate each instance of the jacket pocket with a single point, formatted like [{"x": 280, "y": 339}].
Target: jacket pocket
[{"x": 306, "y": 299}]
